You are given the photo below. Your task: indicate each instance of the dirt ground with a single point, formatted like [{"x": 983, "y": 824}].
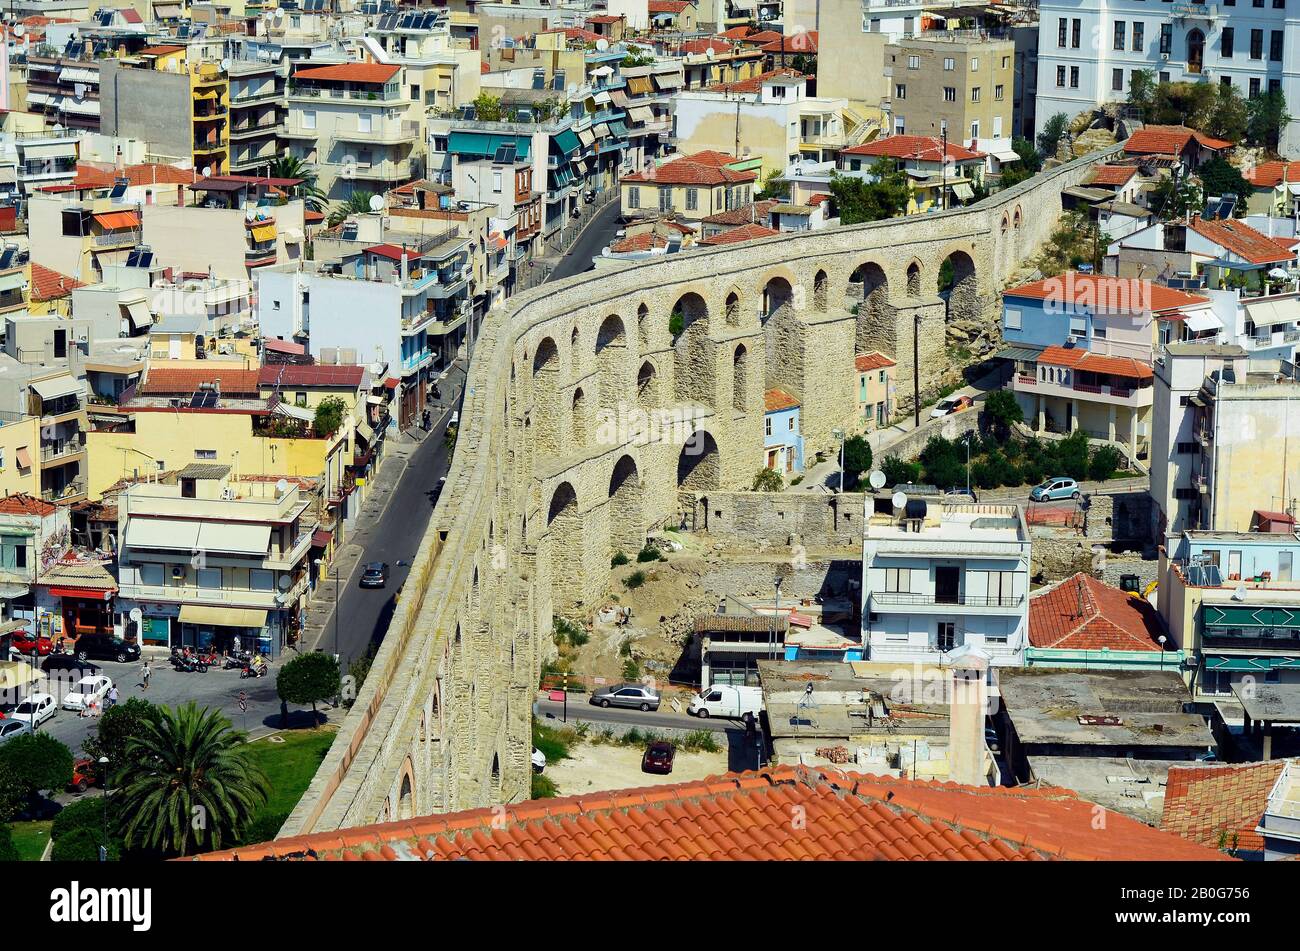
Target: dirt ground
[{"x": 599, "y": 767}]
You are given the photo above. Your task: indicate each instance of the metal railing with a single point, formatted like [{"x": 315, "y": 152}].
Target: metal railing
[{"x": 962, "y": 600}]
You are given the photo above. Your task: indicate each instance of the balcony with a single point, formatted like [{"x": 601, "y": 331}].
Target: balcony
[
  {"x": 381, "y": 133},
  {"x": 59, "y": 453},
  {"x": 923, "y": 598},
  {"x": 383, "y": 171},
  {"x": 193, "y": 594},
  {"x": 115, "y": 239},
  {"x": 1114, "y": 393},
  {"x": 249, "y": 129}
]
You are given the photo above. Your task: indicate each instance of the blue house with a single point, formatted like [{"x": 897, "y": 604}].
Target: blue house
[{"x": 782, "y": 442}]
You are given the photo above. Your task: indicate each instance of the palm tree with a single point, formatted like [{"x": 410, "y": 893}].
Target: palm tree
[
  {"x": 290, "y": 166},
  {"x": 187, "y": 784},
  {"x": 358, "y": 203}
]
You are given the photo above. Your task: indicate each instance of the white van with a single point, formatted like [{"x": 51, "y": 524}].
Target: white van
[{"x": 727, "y": 700}]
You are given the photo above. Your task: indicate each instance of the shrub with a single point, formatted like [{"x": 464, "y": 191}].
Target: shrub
[
  {"x": 619, "y": 559},
  {"x": 85, "y": 813},
  {"x": 543, "y": 787},
  {"x": 649, "y": 553},
  {"x": 767, "y": 480},
  {"x": 568, "y": 632},
  {"x": 36, "y": 762},
  {"x": 309, "y": 678},
  {"x": 699, "y": 741},
  {"x": 985, "y": 474},
  {"x": 631, "y": 669},
  {"x": 857, "y": 459},
  {"x": 264, "y": 827},
  {"x": 1105, "y": 460},
  {"x": 329, "y": 416},
  {"x": 676, "y": 324},
  {"x": 82, "y": 845},
  {"x": 634, "y": 580},
  {"x": 8, "y": 853},
  {"x": 897, "y": 471}
]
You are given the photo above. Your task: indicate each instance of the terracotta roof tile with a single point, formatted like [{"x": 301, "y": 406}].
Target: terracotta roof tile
[
  {"x": 872, "y": 361},
  {"x": 692, "y": 170},
  {"x": 312, "y": 374},
  {"x": 350, "y": 72},
  {"x": 667, "y": 6},
  {"x": 185, "y": 381},
  {"x": 1080, "y": 359},
  {"x": 755, "y": 83},
  {"x": 1111, "y": 175},
  {"x": 749, "y": 232},
  {"x": 1217, "y": 805},
  {"x": 1082, "y": 613},
  {"x": 1169, "y": 140},
  {"x": 755, "y": 211},
  {"x": 24, "y": 504},
  {"x": 778, "y": 399},
  {"x": 1107, "y": 294},
  {"x": 922, "y": 148},
  {"x": 48, "y": 284},
  {"x": 1243, "y": 240},
  {"x": 804, "y": 41},
  {"x": 1272, "y": 174}
]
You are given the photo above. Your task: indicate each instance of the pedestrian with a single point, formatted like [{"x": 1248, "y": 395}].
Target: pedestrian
[
  {"x": 112, "y": 695},
  {"x": 60, "y": 643},
  {"x": 144, "y": 676},
  {"x": 236, "y": 642}
]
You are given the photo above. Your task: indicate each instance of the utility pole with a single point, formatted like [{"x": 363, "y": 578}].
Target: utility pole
[{"x": 916, "y": 369}]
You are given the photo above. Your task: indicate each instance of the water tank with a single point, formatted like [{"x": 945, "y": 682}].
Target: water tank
[{"x": 915, "y": 509}]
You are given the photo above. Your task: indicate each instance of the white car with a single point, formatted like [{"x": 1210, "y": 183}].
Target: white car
[
  {"x": 539, "y": 760},
  {"x": 35, "y": 710},
  {"x": 86, "y": 691}
]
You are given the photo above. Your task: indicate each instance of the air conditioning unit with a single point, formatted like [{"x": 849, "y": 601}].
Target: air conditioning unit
[
  {"x": 1074, "y": 339},
  {"x": 178, "y": 572}
]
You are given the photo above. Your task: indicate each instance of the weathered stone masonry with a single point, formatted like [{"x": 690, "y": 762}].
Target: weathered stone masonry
[{"x": 582, "y": 420}]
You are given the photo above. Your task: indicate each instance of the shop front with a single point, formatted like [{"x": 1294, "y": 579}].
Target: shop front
[{"x": 207, "y": 627}]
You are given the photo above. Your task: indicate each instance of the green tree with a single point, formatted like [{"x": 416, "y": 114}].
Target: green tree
[
  {"x": 358, "y": 203},
  {"x": 1055, "y": 129},
  {"x": 857, "y": 459},
  {"x": 883, "y": 194},
  {"x": 189, "y": 784},
  {"x": 308, "y": 678},
  {"x": 8, "y": 852},
  {"x": 83, "y": 846},
  {"x": 1184, "y": 103},
  {"x": 1174, "y": 199},
  {"x": 944, "y": 466},
  {"x": 290, "y": 166},
  {"x": 1002, "y": 410},
  {"x": 487, "y": 107},
  {"x": 1142, "y": 91},
  {"x": 119, "y": 723},
  {"x": 637, "y": 57},
  {"x": 1105, "y": 461},
  {"x": 1229, "y": 115},
  {"x": 774, "y": 186},
  {"x": 1266, "y": 117},
  {"x": 1072, "y": 455},
  {"x": 766, "y": 480},
  {"x": 1218, "y": 177},
  {"x": 36, "y": 762},
  {"x": 898, "y": 472},
  {"x": 330, "y": 413}
]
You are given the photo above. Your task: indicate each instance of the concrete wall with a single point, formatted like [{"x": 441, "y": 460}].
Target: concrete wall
[
  {"x": 567, "y": 452},
  {"x": 150, "y": 105}
]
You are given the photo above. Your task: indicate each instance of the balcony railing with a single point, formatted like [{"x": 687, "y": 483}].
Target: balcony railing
[
  {"x": 962, "y": 600},
  {"x": 115, "y": 239}
]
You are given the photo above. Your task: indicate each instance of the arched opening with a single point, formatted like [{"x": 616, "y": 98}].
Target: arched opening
[
  {"x": 626, "y": 528},
  {"x": 739, "y": 379},
  {"x": 578, "y": 418},
  {"x": 870, "y": 287},
  {"x": 546, "y": 395},
  {"x": 1195, "y": 51},
  {"x": 496, "y": 773},
  {"x": 733, "y": 310},
  {"x": 783, "y": 337},
  {"x": 405, "y": 808},
  {"x": 643, "y": 325},
  {"x": 699, "y": 464},
  {"x": 611, "y": 352},
  {"x": 914, "y": 280},
  {"x": 959, "y": 288},
  {"x": 1006, "y": 223},
  {"x": 777, "y": 294},
  {"x": 692, "y": 367},
  {"x": 1015, "y": 219},
  {"x": 821, "y": 290},
  {"x": 564, "y": 536},
  {"x": 647, "y": 387}
]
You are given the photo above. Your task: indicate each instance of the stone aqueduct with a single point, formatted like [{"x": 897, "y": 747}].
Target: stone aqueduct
[{"x": 582, "y": 419}]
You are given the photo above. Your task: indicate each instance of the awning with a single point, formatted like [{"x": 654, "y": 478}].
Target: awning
[
  {"x": 668, "y": 80},
  {"x": 86, "y": 594},
  {"x": 292, "y": 236},
  {"x": 374, "y": 400},
  {"x": 295, "y": 412},
  {"x": 162, "y": 10},
  {"x": 117, "y": 220},
  {"x": 210, "y": 94},
  {"x": 222, "y": 616},
  {"x": 1266, "y": 662},
  {"x": 567, "y": 141},
  {"x": 963, "y": 191},
  {"x": 138, "y": 313},
  {"x": 1202, "y": 320},
  {"x": 78, "y": 74},
  {"x": 587, "y": 136},
  {"x": 365, "y": 432},
  {"x": 444, "y": 84},
  {"x": 58, "y": 386},
  {"x": 24, "y": 457},
  {"x": 1266, "y": 312},
  {"x": 640, "y": 86},
  {"x": 235, "y": 538},
  {"x": 13, "y": 282},
  {"x": 1023, "y": 354},
  {"x": 641, "y": 114},
  {"x": 263, "y": 233},
  {"x": 1004, "y": 153},
  {"x": 321, "y": 538},
  {"x": 167, "y": 534},
  {"x": 15, "y": 674}
]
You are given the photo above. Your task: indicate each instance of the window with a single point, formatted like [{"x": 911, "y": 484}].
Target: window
[
  {"x": 205, "y": 454},
  {"x": 1006, "y": 62},
  {"x": 1002, "y": 587},
  {"x": 914, "y": 62},
  {"x": 13, "y": 551},
  {"x": 767, "y": 425},
  {"x": 1284, "y": 566},
  {"x": 692, "y": 199},
  {"x": 898, "y": 580},
  {"x": 261, "y": 580},
  {"x": 1279, "y": 4},
  {"x": 1185, "y": 448},
  {"x": 790, "y": 424},
  {"x": 634, "y": 197},
  {"x": 946, "y": 636},
  {"x": 309, "y": 118},
  {"x": 1078, "y": 327},
  {"x": 975, "y": 94},
  {"x": 975, "y": 129},
  {"x": 1076, "y": 33},
  {"x": 1117, "y": 79},
  {"x": 665, "y": 199},
  {"x": 1060, "y": 75},
  {"x": 209, "y": 577},
  {"x": 1074, "y": 77},
  {"x": 1060, "y": 32},
  {"x": 974, "y": 64},
  {"x": 949, "y": 64},
  {"x": 1011, "y": 318},
  {"x": 999, "y": 92},
  {"x": 1166, "y": 38},
  {"x": 1256, "y": 44},
  {"x": 1119, "y": 34},
  {"x": 496, "y": 180},
  {"x": 950, "y": 93},
  {"x": 1225, "y": 42},
  {"x": 1275, "y": 46},
  {"x": 900, "y": 91},
  {"x": 1254, "y": 88},
  {"x": 1139, "y": 36},
  {"x": 1274, "y": 85}
]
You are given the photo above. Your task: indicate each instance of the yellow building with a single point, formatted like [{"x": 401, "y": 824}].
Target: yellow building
[
  {"x": 210, "y": 92},
  {"x": 19, "y": 443},
  {"x": 692, "y": 187},
  {"x": 875, "y": 389}
]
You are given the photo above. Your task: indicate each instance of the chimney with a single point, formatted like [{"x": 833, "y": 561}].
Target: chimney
[{"x": 967, "y": 704}]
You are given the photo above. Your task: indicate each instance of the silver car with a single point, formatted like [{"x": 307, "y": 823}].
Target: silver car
[
  {"x": 11, "y": 728},
  {"x": 638, "y": 696}
]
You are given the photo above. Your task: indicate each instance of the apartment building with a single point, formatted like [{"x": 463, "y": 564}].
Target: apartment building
[
  {"x": 1088, "y": 50},
  {"x": 40, "y": 157},
  {"x": 953, "y": 81},
  {"x": 693, "y": 187},
  {"x": 942, "y": 579},
  {"x": 356, "y": 125},
  {"x": 64, "y": 87},
  {"x": 33, "y": 533},
  {"x": 205, "y": 559},
  {"x": 257, "y": 115},
  {"x": 941, "y": 174}
]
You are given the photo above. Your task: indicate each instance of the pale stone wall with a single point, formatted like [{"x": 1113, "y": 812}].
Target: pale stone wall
[{"x": 539, "y": 493}]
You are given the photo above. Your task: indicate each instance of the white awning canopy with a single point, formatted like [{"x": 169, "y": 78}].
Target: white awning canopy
[
  {"x": 58, "y": 386},
  {"x": 235, "y": 538},
  {"x": 167, "y": 534},
  {"x": 138, "y": 313},
  {"x": 1200, "y": 321}
]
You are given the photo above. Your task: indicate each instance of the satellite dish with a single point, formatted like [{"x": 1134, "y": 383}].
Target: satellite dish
[
  {"x": 136, "y": 615},
  {"x": 225, "y": 65},
  {"x": 709, "y": 53},
  {"x": 877, "y": 479},
  {"x": 899, "y": 500},
  {"x": 19, "y": 29},
  {"x": 282, "y": 486},
  {"x": 279, "y": 14},
  {"x": 1240, "y": 593},
  {"x": 285, "y": 583},
  {"x": 604, "y": 252},
  {"x": 376, "y": 203},
  {"x": 602, "y": 45}
]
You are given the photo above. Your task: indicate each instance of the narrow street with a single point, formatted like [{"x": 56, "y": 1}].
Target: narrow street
[{"x": 598, "y": 233}]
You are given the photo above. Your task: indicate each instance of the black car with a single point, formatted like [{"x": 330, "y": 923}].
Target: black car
[
  {"x": 658, "y": 758},
  {"x": 56, "y": 662},
  {"x": 374, "y": 574},
  {"x": 105, "y": 647}
]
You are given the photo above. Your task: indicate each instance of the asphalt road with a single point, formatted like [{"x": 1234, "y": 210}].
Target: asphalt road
[
  {"x": 598, "y": 233},
  {"x": 580, "y": 709}
]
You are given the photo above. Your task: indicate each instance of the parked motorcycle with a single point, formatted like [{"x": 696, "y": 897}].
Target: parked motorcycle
[
  {"x": 188, "y": 663},
  {"x": 237, "y": 659}
]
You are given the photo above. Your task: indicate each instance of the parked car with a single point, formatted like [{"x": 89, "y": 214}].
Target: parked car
[
  {"x": 375, "y": 574},
  {"x": 35, "y": 709},
  {"x": 83, "y": 776},
  {"x": 57, "y": 662},
  {"x": 87, "y": 690},
  {"x": 539, "y": 760},
  {"x": 658, "y": 758},
  {"x": 637, "y": 696},
  {"x": 27, "y": 643},
  {"x": 11, "y": 728},
  {"x": 964, "y": 493},
  {"x": 953, "y": 404},
  {"x": 1057, "y": 487},
  {"x": 727, "y": 700},
  {"x": 105, "y": 647}
]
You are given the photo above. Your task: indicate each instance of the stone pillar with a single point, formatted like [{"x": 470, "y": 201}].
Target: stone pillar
[
  {"x": 1042, "y": 412},
  {"x": 1111, "y": 423},
  {"x": 1133, "y": 435}
]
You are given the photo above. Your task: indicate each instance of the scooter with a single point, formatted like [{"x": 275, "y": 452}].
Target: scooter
[
  {"x": 256, "y": 668},
  {"x": 238, "y": 659}
]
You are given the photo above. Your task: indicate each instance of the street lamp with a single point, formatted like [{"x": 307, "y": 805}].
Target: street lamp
[
  {"x": 103, "y": 771},
  {"x": 1162, "y": 639},
  {"x": 839, "y": 434}
]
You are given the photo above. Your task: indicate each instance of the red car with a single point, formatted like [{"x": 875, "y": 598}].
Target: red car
[
  {"x": 27, "y": 643},
  {"x": 83, "y": 776},
  {"x": 658, "y": 758}
]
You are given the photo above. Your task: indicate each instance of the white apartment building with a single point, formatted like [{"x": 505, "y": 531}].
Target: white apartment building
[
  {"x": 939, "y": 577},
  {"x": 1088, "y": 50}
]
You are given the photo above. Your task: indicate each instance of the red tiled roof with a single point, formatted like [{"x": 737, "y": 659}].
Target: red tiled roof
[
  {"x": 1243, "y": 240},
  {"x": 875, "y": 360},
  {"x": 283, "y": 346},
  {"x": 764, "y": 36},
  {"x": 1081, "y": 613},
  {"x": 746, "y": 816},
  {"x": 1107, "y": 294},
  {"x": 312, "y": 374},
  {"x": 699, "y": 169},
  {"x": 161, "y": 50},
  {"x": 603, "y": 18},
  {"x": 749, "y": 232},
  {"x": 736, "y": 32},
  {"x": 695, "y": 47},
  {"x": 312, "y": 217},
  {"x": 578, "y": 33},
  {"x": 1111, "y": 175},
  {"x": 755, "y": 83},
  {"x": 1272, "y": 174},
  {"x": 1081, "y": 359},
  {"x": 350, "y": 72},
  {"x": 922, "y": 148},
  {"x": 778, "y": 399},
  {"x": 745, "y": 214},
  {"x": 800, "y": 42},
  {"x": 667, "y": 6},
  {"x": 1219, "y": 806},
  {"x": 392, "y": 251},
  {"x": 644, "y": 241},
  {"x": 1169, "y": 140},
  {"x": 48, "y": 284},
  {"x": 185, "y": 380},
  {"x": 23, "y": 504},
  {"x": 132, "y": 16}
]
